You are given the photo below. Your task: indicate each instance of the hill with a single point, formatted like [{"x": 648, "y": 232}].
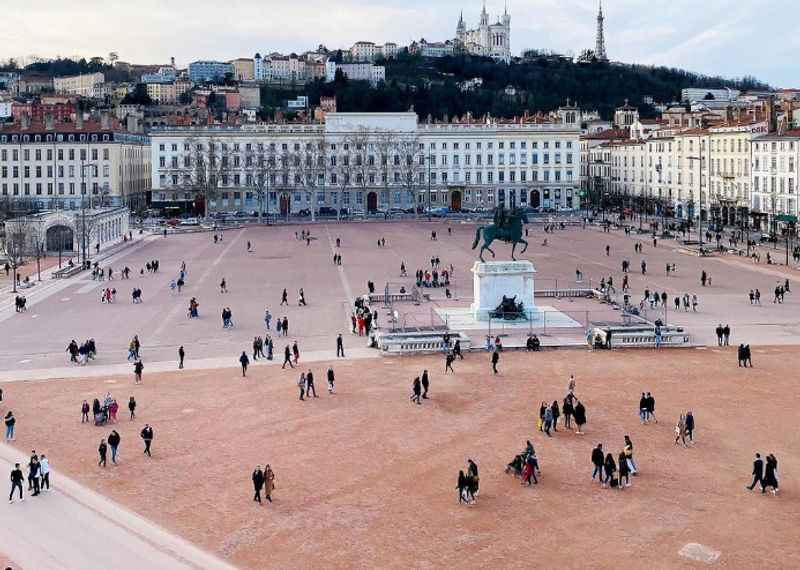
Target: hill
[{"x": 540, "y": 83}]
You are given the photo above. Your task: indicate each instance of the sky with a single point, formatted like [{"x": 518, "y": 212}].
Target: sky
[{"x": 731, "y": 38}]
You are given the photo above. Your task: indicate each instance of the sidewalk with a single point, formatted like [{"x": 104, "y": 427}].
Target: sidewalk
[
  {"x": 126, "y": 368},
  {"x": 72, "y": 527}
]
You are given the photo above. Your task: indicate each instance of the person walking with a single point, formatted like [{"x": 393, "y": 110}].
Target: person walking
[
  {"x": 339, "y": 346},
  {"x": 331, "y": 380},
  {"x": 651, "y": 407},
  {"x": 580, "y": 417},
  {"x": 147, "y": 436},
  {"x": 680, "y": 430},
  {"x": 44, "y": 472},
  {"x": 462, "y": 486},
  {"x": 624, "y": 470},
  {"x": 287, "y": 358},
  {"x": 690, "y": 426},
  {"x": 132, "y": 407},
  {"x": 567, "y": 410},
  {"x": 310, "y": 384},
  {"x": 245, "y": 362},
  {"x": 269, "y": 482},
  {"x": 770, "y": 475},
  {"x": 758, "y": 473},
  {"x": 16, "y": 483},
  {"x": 610, "y": 468},
  {"x": 102, "y": 450},
  {"x": 181, "y": 356},
  {"x": 555, "y": 413},
  {"x": 495, "y": 360},
  {"x": 138, "y": 367},
  {"x": 416, "y": 391},
  {"x": 628, "y": 451},
  {"x": 113, "y": 441},
  {"x": 548, "y": 420},
  {"x": 425, "y": 381},
  {"x": 285, "y": 298},
  {"x": 258, "y": 483},
  {"x": 448, "y": 362},
  {"x": 598, "y": 461},
  {"x": 85, "y": 412},
  {"x": 10, "y": 422},
  {"x": 301, "y": 384}
]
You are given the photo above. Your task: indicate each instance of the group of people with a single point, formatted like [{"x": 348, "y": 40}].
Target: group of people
[
  {"x": 104, "y": 413},
  {"x": 525, "y": 465},
  {"x": 468, "y": 484},
  {"x": 571, "y": 408},
  {"x": 136, "y": 295},
  {"x": 305, "y": 383},
  {"x": 20, "y": 303},
  {"x": 420, "y": 387},
  {"x": 81, "y": 354},
  {"x": 38, "y": 477},
  {"x": 362, "y": 318},
  {"x": 227, "y": 318},
  {"x": 109, "y": 295},
  {"x": 263, "y": 480},
  {"x": 613, "y": 473},
  {"x": 766, "y": 476}
]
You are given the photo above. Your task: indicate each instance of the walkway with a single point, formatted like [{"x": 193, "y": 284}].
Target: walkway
[{"x": 72, "y": 528}]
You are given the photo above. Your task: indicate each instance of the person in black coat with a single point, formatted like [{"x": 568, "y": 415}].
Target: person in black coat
[
  {"x": 598, "y": 460},
  {"x": 147, "y": 436},
  {"x": 690, "y": 425},
  {"x": 556, "y": 413},
  {"x": 758, "y": 472},
  {"x": 102, "y": 450},
  {"x": 770, "y": 475},
  {"x": 610, "y": 469},
  {"x": 567, "y": 409},
  {"x": 580, "y": 417},
  {"x": 624, "y": 470},
  {"x": 425, "y": 384},
  {"x": 245, "y": 362},
  {"x": 258, "y": 483},
  {"x": 416, "y": 391},
  {"x": 495, "y": 360}
]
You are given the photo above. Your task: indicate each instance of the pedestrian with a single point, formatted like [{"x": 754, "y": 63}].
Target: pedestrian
[
  {"x": 269, "y": 482},
  {"x": 628, "y": 451},
  {"x": 181, "y": 356},
  {"x": 598, "y": 461},
  {"x": 16, "y": 483},
  {"x": 258, "y": 483},
  {"x": 85, "y": 412},
  {"x": 548, "y": 420},
  {"x": 610, "y": 468},
  {"x": 580, "y": 417},
  {"x": 758, "y": 473},
  {"x": 726, "y": 335},
  {"x": 285, "y": 298},
  {"x": 296, "y": 352},
  {"x": 33, "y": 474},
  {"x": 44, "y": 471},
  {"x": 310, "y": 384},
  {"x": 245, "y": 362},
  {"x": 718, "y": 331},
  {"x": 689, "y": 426},
  {"x": 147, "y": 436},
  {"x": 495, "y": 360},
  {"x": 770, "y": 475},
  {"x": 425, "y": 381},
  {"x": 448, "y": 362},
  {"x": 301, "y": 384},
  {"x": 113, "y": 441},
  {"x": 461, "y": 486},
  {"x": 680, "y": 430},
  {"x": 339, "y": 346},
  {"x": 102, "y": 450},
  {"x": 624, "y": 470},
  {"x": 416, "y": 391},
  {"x": 132, "y": 407},
  {"x": 566, "y": 409},
  {"x": 331, "y": 379},
  {"x": 137, "y": 371},
  {"x": 267, "y": 318},
  {"x": 556, "y": 413},
  {"x": 10, "y": 422},
  {"x": 643, "y": 408}
]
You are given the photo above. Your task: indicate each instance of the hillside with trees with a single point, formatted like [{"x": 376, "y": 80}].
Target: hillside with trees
[{"x": 539, "y": 82}]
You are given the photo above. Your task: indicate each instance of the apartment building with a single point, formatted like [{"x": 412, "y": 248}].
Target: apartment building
[
  {"x": 83, "y": 85},
  {"x": 368, "y": 162},
  {"x": 775, "y": 159}
]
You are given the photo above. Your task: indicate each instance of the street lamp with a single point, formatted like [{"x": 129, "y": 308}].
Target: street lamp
[
  {"x": 430, "y": 158},
  {"x": 84, "y": 190},
  {"x": 700, "y": 212}
]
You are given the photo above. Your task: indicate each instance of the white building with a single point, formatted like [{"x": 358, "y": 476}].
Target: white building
[
  {"x": 694, "y": 94},
  {"x": 776, "y": 159},
  {"x": 83, "y": 85},
  {"x": 363, "y": 72},
  {"x": 490, "y": 40},
  {"x": 370, "y": 51},
  {"x": 5, "y": 108},
  {"x": 52, "y": 165},
  {"x": 368, "y": 161}
]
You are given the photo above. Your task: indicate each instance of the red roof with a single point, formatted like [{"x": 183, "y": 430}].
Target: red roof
[
  {"x": 608, "y": 135},
  {"x": 39, "y": 128}
]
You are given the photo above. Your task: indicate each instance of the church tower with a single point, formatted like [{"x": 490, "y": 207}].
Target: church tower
[
  {"x": 600, "y": 45},
  {"x": 461, "y": 29},
  {"x": 484, "y": 15}
]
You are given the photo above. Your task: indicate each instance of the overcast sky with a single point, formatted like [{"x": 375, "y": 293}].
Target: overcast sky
[{"x": 726, "y": 37}]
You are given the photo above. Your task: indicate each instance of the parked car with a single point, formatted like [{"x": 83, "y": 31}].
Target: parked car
[
  {"x": 440, "y": 212},
  {"x": 190, "y": 222},
  {"x": 304, "y": 213},
  {"x": 172, "y": 222},
  {"x": 327, "y": 211}
]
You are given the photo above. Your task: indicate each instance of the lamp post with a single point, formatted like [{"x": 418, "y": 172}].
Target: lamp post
[
  {"x": 430, "y": 157},
  {"x": 84, "y": 191},
  {"x": 700, "y": 201}
]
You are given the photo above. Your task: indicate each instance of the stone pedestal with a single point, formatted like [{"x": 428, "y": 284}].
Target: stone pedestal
[{"x": 494, "y": 279}]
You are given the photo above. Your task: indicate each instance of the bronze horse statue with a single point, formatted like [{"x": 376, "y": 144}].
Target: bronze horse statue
[{"x": 509, "y": 231}]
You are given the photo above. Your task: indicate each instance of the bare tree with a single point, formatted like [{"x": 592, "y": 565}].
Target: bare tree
[
  {"x": 411, "y": 164},
  {"x": 384, "y": 144},
  {"x": 311, "y": 168},
  {"x": 16, "y": 245},
  {"x": 363, "y": 162},
  {"x": 204, "y": 167},
  {"x": 260, "y": 175},
  {"x": 341, "y": 168}
]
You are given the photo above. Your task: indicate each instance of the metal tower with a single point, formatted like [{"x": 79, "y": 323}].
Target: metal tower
[{"x": 600, "y": 45}]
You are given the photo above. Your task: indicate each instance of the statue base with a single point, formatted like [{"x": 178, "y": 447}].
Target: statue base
[{"x": 494, "y": 279}]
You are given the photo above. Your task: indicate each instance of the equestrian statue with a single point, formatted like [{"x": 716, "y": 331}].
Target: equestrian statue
[{"x": 507, "y": 227}]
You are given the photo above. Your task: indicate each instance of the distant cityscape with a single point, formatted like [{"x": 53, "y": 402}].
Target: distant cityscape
[{"x": 196, "y": 140}]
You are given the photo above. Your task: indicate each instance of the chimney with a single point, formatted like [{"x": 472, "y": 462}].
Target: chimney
[
  {"x": 49, "y": 122},
  {"x": 172, "y": 62},
  {"x": 25, "y": 121},
  {"x": 79, "y": 120},
  {"x": 105, "y": 121}
]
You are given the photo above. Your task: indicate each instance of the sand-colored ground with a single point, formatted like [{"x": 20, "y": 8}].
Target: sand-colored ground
[{"x": 365, "y": 479}]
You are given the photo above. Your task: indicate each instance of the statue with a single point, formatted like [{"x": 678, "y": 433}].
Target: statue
[
  {"x": 509, "y": 309},
  {"x": 507, "y": 227}
]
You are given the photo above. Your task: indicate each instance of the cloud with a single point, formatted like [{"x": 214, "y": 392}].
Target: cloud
[{"x": 713, "y": 37}]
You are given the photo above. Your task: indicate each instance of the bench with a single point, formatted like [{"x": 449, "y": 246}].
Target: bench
[
  {"x": 66, "y": 272},
  {"x": 416, "y": 343},
  {"x": 584, "y": 292},
  {"x": 393, "y": 297}
]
